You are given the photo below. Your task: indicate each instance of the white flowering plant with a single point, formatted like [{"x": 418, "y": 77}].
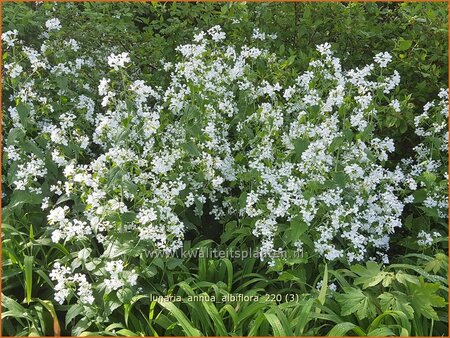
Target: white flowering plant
[{"x": 108, "y": 170}]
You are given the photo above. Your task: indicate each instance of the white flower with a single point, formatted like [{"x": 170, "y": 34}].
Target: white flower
[
  {"x": 53, "y": 24},
  {"x": 199, "y": 37},
  {"x": 396, "y": 105},
  {"x": 114, "y": 267},
  {"x": 257, "y": 35},
  {"x": 119, "y": 60},
  {"x": 216, "y": 33},
  {"x": 10, "y": 37},
  {"x": 324, "y": 49},
  {"x": 45, "y": 203},
  {"x": 103, "y": 86},
  {"x": 57, "y": 215},
  {"x": 383, "y": 59},
  {"x": 15, "y": 71},
  {"x": 426, "y": 239},
  {"x": 146, "y": 216}
]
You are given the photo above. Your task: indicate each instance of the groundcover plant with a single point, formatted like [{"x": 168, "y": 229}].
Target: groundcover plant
[{"x": 223, "y": 183}]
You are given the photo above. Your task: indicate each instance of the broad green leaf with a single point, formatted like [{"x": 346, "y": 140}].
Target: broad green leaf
[
  {"x": 73, "y": 311},
  {"x": 296, "y": 229},
  {"x": 356, "y": 301},
  {"x": 396, "y": 301},
  {"x": 404, "y": 44},
  {"x": 424, "y": 299},
  {"x": 125, "y": 295},
  {"x": 404, "y": 278},
  {"x": 369, "y": 275}
]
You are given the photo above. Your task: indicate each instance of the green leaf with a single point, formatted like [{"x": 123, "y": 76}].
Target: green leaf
[
  {"x": 341, "y": 329},
  {"x": 404, "y": 45},
  {"x": 62, "y": 82},
  {"x": 424, "y": 299},
  {"x": 82, "y": 325},
  {"x": 296, "y": 229},
  {"x": 125, "y": 295},
  {"x": 440, "y": 262},
  {"x": 232, "y": 312},
  {"x": 24, "y": 114},
  {"x": 181, "y": 319},
  {"x": 398, "y": 316},
  {"x": 15, "y": 134},
  {"x": 73, "y": 311},
  {"x": 243, "y": 200},
  {"x": 419, "y": 195},
  {"x": 381, "y": 332},
  {"x": 127, "y": 333},
  {"x": 28, "y": 270},
  {"x": 371, "y": 275},
  {"x": 356, "y": 301},
  {"x": 216, "y": 318},
  {"x": 275, "y": 323},
  {"x": 404, "y": 278},
  {"x": 304, "y": 317},
  {"x": 339, "y": 178},
  {"x": 14, "y": 308},
  {"x": 191, "y": 148},
  {"x": 396, "y": 301},
  {"x": 20, "y": 197},
  {"x": 300, "y": 146},
  {"x": 129, "y": 306},
  {"x": 51, "y": 309},
  {"x": 323, "y": 289}
]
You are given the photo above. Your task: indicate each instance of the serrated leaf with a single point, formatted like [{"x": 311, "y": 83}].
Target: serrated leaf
[
  {"x": 356, "y": 301},
  {"x": 404, "y": 278},
  {"x": 424, "y": 299},
  {"x": 396, "y": 301},
  {"x": 369, "y": 275},
  {"x": 300, "y": 146},
  {"x": 435, "y": 265}
]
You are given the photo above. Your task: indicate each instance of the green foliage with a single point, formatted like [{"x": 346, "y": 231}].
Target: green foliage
[{"x": 409, "y": 296}]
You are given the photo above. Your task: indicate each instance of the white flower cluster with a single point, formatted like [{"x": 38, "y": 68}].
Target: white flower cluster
[
  {"x": 141, "y": 163},
  {"x": 53, "y": 24},
  {"x": 118, "y": 277},
  {"x": 383, "y": 59},
  {"x": 427, "y": 171},
  {"x": 427, "y": 239},
  {"x": 68, "y": 284},
  {"x": 10, "y": 37},
  {"x": 118, "y": 61}
]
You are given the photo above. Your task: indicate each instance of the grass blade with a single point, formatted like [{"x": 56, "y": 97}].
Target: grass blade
[
  {"x": 181, "y": 318},
  {"x": 215, "y": 316},
  {"x": 28, "y": 271},
  {"x": 342, "y": 329},
  {"x": 277, "y": 327}
]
